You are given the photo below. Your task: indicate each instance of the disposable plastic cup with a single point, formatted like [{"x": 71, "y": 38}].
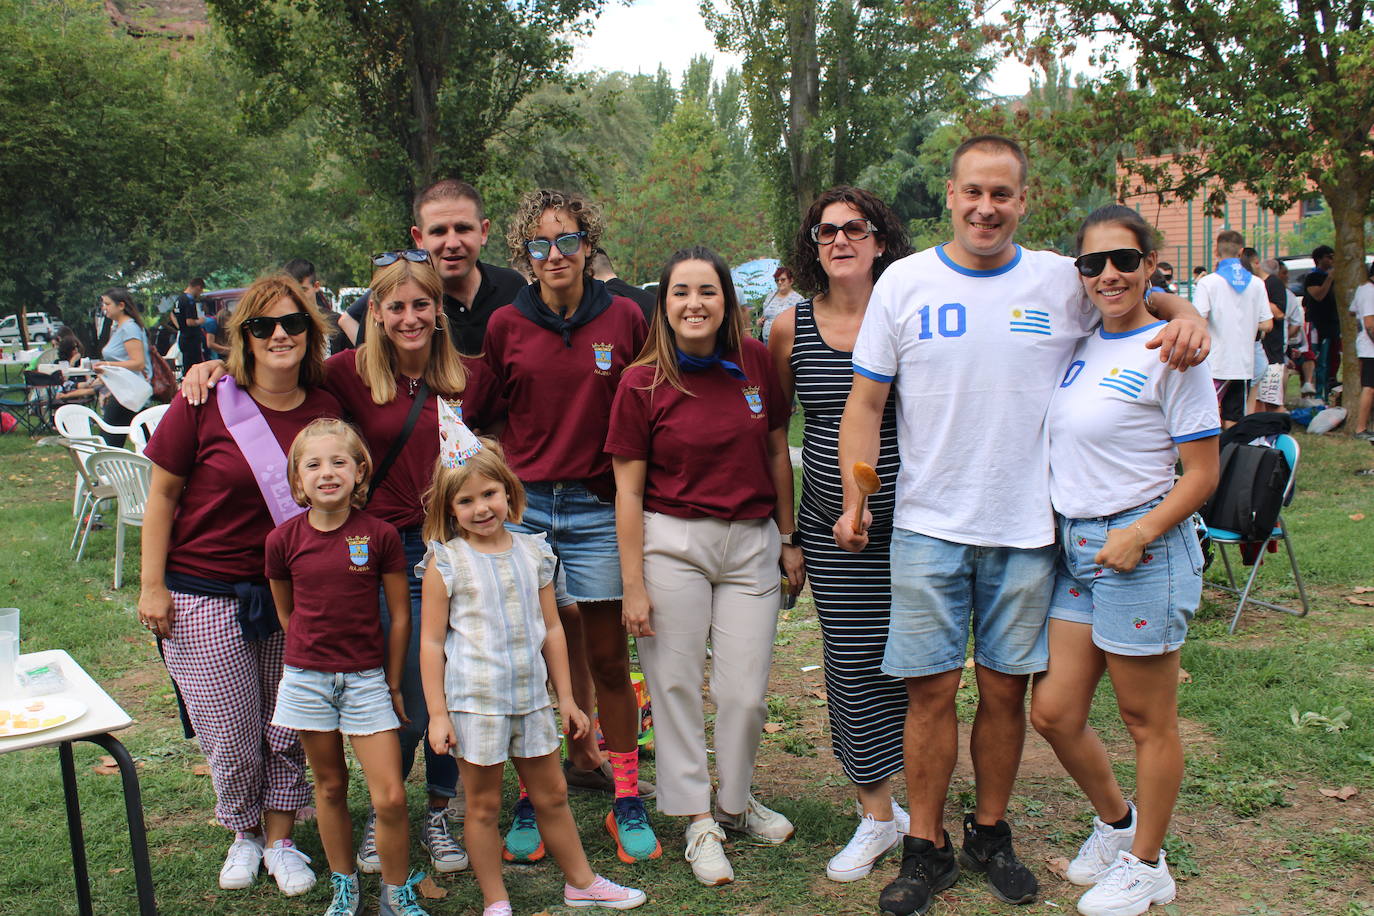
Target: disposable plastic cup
[{"x": 9, "y": 656}]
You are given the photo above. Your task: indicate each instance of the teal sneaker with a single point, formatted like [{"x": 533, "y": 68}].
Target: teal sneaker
[
  {"x": 524, "y": 845},
  {"x": 628, "y": 824},
  {"x": 346, "y": 900},
  {"x": 399, "y": 899}
]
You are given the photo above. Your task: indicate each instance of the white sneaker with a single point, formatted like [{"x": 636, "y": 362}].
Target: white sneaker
[
  {"x": 706, "y": 855},
  {"x": 242, "y": 863},
  {"x": 873, "y": 840},
  {"x": 1129, "y": 888},
  {"x": 761, "y": 824},
  {"x": 1100, "y": 850},
  {"x": 290, "y": 867},
  {"x": 899, "y": 816}
]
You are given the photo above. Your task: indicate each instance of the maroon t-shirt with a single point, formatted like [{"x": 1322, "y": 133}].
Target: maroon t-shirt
[
  {"x": 221, "y": 521},
  {"x": 336, "y": 620},
  {"x": 707, "y": 455},
  {"x": 398, "y": 499},
  {"x": 559, "y": 397}
]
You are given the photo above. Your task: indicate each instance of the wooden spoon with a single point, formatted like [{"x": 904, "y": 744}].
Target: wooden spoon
[{"x": 866, "y": 479}]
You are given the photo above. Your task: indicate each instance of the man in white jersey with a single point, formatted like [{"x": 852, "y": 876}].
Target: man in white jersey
[
  {"x": 975, "y": 334},
  {"x": 1237, "y": 311}
]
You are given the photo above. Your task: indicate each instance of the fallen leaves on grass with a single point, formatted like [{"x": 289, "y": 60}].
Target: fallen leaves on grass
[
  {"x": 1058, "y": 866},
  {"x": 772, "y": 728},
  {"x": 431, "y": 891},
  {"x": 1184, "y": 677},
  {"x": 1363, "y": 589},
  {"x": 106, "y": 766},
  {"x": 1362, "y": 602},
  {"x": 819, "y": 694},
  {"x": 1344, "y": 793},
  {"x": 1357, "y": 517},
  {"x": 201, "y": 769}
]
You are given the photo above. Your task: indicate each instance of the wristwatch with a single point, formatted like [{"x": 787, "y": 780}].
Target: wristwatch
[{"x": 790, "y": 539}]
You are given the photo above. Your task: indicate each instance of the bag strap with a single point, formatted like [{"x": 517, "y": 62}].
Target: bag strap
[
  {"x": 260, "y": 449},
  {"x": 421, "y": 395}
]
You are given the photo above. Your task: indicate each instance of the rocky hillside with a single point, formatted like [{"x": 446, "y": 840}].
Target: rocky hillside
[{"x": 170, "y": 19}]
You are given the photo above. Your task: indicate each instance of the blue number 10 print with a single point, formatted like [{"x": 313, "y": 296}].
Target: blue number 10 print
[{"x": 949, "y": 318}]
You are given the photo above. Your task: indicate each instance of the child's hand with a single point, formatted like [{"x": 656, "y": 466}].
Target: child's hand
[
  {"x": 398, "y": 703},
  {"x": 574, "y": 718},
  {"x": 441, "y": 737}
]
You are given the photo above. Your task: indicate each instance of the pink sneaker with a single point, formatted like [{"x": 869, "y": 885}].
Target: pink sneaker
[
  {"x": 499, "y": 908},
  {"x": 604, "y": 893}
]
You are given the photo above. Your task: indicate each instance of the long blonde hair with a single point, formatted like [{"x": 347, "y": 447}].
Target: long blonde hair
[
  {"x": 377, "y": 359},
  {"x": 490, "y": 463},
  {"x": 353, "y": 444},
  {"x": 258, "y": 300}
]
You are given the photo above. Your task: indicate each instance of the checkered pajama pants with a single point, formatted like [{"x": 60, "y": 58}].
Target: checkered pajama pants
[{"x": 229, "y": 685}]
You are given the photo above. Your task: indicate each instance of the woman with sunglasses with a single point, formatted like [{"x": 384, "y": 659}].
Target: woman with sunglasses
[
  {"x": 846, "y": 241},
  {"x": 405, "y": 365},
  {"x": 1129, "y": 575},
  {"x": 215, "y": 490},
  {"x": 557, "y": 353}
]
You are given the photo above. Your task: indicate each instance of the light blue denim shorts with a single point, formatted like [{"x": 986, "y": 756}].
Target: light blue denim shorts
[
  {"x": 581, "y": 530},
  {"x": 351, "y": 702},
  {"x": 1142, "y": 612},
  {"x": 940, "y": 589}
]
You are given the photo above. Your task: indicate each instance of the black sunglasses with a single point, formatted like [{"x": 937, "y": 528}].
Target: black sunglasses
[
  {"x": 264, "y": 326},
  {"x": 856, "y": 230},
  {"x": 1123, "y": 259},
  {"x": 567, "y": 243},
  {"x": 417, "y": 255}
]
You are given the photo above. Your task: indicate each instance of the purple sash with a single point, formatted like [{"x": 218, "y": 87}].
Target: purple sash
[{"x": 259, "y": 447}]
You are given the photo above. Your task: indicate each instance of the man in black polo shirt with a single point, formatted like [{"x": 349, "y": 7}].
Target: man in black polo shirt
[
  {"x": 1319, "y": 302},
  {"x": 186, "y": 316},
  {"x": 451, "y": 226}
]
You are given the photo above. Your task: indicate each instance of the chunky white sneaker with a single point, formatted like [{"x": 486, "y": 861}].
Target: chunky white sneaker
[
  {"x": 367, "y": 859},
  {"x": 706, "y": 855},
  {"x": 760, "y": 824},
  {"x": 1100, "y": 850},
  {"x": 444, "y": 851},
  {"x": 873, "y": 840},
  {"x": 242, "y": 863},
  {"x": 290, "y": 867},
  {"x": 1129, "y": 888}
]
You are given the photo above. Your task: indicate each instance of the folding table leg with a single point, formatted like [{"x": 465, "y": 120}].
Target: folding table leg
[
  {"x": 83, "y": 878},
  {"x": 133, "y": 809}
]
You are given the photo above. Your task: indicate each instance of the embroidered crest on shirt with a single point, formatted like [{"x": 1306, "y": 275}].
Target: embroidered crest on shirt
[
  {"x": 603, "y": 353},
  {"x": 752, "y": 398},
  {"x": 1030, "y": 321},
  {"x": 357, "y": 550},
  {"x": 1127, "y": 381}
]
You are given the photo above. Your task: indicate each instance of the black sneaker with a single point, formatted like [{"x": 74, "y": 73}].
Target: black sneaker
[
  {"x": 991, "y": 852},
  {"x": 925, "y": 872}
]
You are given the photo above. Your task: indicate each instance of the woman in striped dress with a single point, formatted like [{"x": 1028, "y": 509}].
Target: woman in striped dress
[{"x": 846, "y": 240}]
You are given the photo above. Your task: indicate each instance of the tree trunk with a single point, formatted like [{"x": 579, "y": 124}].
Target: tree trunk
[
  {"x": 803, "y": 103},
  {"x": 845, "y": 24},
  {"x": 1348, "y": 194}
]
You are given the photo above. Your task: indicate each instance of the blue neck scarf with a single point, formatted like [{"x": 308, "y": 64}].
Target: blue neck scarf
[
  {"x": 689, "y": 363},
  {"x": 1234, "y": 273}
]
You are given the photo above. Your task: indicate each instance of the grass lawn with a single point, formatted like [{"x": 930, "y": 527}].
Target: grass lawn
[{"x": 1254, "y": 833}]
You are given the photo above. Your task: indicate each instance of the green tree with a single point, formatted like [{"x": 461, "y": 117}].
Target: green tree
[{"x": 1276, "y": 96}]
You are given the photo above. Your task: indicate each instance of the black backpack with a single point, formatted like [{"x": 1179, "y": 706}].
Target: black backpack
[{"x": 1249, "y": 491}]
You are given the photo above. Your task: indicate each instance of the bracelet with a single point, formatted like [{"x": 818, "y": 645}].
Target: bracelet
[{"x": 1136, "y": 526}]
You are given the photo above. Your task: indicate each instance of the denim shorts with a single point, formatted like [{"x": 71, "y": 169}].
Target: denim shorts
[
  {"x": 1141, "y": 612},
  {"x": 581, "y": 530},
  {"x": 940, "y": 588},
  {"x": 351, "y": 702},
  {"x": 485, "y": 740}
]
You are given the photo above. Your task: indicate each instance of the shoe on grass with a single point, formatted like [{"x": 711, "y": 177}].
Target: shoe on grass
[
  {"x": 871, "y": 841},
  {"x": 399, "y": 899},
  {"x": 499, "y": 908},
  {"x": 367, "y": 859},
  {"x": 524, "y": 845},
  {"x": 347, "y": 901},
  {"x": 925, "y": 872},
  {"x": 444, "y": 851},
  {"x": 242, "y": 862},
  {"x": 763, "y": 825},
  {"x": 604, "y": 893},
  {"x": 1101, "y": 850},
  {"x": 601, "y": 780},
  {"x": 706, "y": 854},
  {"x": 1129, "y": 888},
  {"x": 628, "y": 823},
  {"x": 290, "y": 867},
  {"x": 992, "y": 854}
]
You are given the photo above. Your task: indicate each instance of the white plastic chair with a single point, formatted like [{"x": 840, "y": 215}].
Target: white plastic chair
[
  {"x": 91, "y": 491},
  {"x": 78, "y": 423},
  {"x": 131, "y": 476},
  {"x": 142, "y": 426}
]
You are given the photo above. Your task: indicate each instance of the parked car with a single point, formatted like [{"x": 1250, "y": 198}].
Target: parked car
[{"x": 41, "y": 328}]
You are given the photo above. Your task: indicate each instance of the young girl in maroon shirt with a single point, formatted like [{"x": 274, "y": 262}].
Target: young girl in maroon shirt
[
  {"x": 698, "y": 439},
  {"x": 325, "y": 567}
]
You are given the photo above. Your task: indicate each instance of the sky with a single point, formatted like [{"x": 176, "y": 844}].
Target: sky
[{"x": 646, "y": 33}]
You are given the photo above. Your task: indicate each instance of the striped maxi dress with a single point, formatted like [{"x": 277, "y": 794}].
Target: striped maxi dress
[{"x": 852, "y": 590}]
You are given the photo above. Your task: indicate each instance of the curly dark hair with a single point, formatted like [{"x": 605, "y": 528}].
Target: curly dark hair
[
  {"x": 524, "y": 223},
  {"x": 806, "y": 256}
]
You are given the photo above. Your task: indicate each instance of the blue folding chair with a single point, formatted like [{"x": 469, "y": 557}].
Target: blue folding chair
[{"x": 1221, "y": 537}]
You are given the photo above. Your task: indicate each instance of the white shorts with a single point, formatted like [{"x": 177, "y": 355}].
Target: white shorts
[
  {"x": 485, "y": 740},
  {"x": 1270, "y": 389}
]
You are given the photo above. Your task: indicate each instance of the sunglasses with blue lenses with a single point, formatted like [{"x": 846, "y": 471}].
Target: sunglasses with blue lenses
[
  {"x": 417, "y": 255},
  {"x": 567, "y": 244},
  {"x": 264, "y": 326}
]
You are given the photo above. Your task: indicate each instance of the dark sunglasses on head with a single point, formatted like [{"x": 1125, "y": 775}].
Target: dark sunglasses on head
[
  {"x": 418, "y": 255},
  {"x": 856, "y": 230},
  {"x": 567, "y": 243},
  {"x": 264, "y": 326},
  {"x": 1123, "y": 259}
]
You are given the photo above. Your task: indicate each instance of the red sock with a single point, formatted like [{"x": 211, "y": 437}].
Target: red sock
[{"x": 625, "y": 770}]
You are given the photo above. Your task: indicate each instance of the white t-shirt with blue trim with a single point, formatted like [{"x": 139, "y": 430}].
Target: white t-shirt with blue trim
[
  {"x": 1115, "y": 422},
  {"x": 974, "y": 357}
]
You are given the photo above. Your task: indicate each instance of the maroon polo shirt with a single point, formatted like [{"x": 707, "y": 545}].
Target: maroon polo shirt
[
  {"x": 559, "y": 397},
  {"x": 399, "y": 499},
  {"x": 707, "y": 452},
  {"x": 336, "y": 619},
  {"x": 221, "y": 521}
]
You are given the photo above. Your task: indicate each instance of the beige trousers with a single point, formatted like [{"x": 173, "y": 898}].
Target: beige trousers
[{"x": 708, "y": 578}]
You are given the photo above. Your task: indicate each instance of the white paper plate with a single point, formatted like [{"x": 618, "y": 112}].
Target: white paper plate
[{"x": 36, "y": 714}]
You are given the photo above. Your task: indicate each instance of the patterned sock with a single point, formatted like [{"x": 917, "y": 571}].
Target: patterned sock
[
  {"x": 625, "y": 770},
  {"x": 523, "y": 792}
]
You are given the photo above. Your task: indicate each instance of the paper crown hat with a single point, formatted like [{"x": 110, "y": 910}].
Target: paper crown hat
[{"x": 456, "y": 442}]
